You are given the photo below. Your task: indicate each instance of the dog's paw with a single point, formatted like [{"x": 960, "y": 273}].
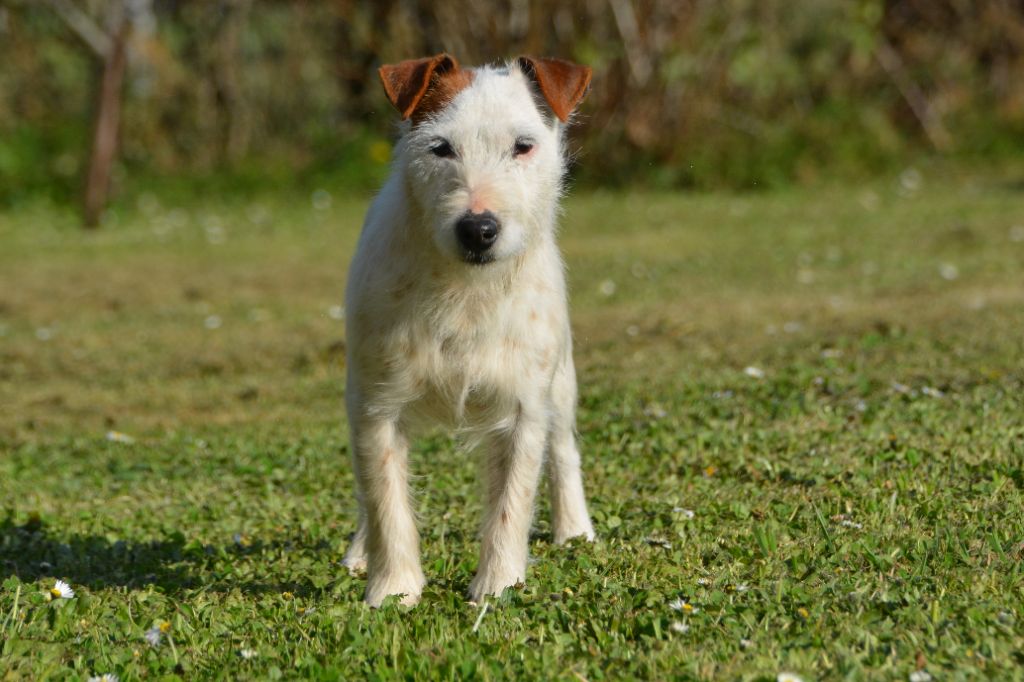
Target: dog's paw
[
  {"x": 409, "y": 586},
  {"x": 492, "y": 583},
  {"x": 355, "y": 556},
  {"x": 583, "y": 529},
  {"x": 356, "y": 565}
]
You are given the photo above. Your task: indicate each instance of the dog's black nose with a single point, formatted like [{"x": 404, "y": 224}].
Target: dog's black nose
[{"x": 477, "y": 232}]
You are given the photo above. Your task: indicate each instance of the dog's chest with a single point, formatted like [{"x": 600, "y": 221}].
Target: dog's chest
[{"x": 470, "y": 362}]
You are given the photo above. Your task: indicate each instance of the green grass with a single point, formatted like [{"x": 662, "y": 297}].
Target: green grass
[{"x": 858, "y": 511}]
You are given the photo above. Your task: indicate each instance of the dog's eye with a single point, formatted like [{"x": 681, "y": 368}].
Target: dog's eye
[
  {"x": 522, "y": 147},
  {"x": 443, "y": 149}
]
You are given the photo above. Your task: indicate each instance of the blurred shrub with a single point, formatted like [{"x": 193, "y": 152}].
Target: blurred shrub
[{"x": 686, "y": 92}]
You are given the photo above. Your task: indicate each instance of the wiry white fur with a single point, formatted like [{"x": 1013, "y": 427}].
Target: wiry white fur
[{"x": 485, "y": 349}]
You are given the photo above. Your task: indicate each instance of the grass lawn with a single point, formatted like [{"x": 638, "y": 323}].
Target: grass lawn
[{"x": 801, "y": 418}]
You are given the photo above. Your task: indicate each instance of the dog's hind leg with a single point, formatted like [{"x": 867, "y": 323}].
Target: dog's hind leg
[
  {"x": 512, "y": 472},
  {"x": 568, "y": 504},
  {"x": 389, "y": 536}
]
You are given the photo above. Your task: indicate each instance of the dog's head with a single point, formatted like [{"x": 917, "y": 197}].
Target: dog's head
[{"x": 482, "y": 155}]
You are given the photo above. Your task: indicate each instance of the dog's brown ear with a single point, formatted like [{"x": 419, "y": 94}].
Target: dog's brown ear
[
  {"x": 407, "y": 82},
  {"x": 563, "y": 84}
]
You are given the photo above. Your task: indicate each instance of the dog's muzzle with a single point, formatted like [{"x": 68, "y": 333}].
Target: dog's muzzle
[{"x": 477, "y": 233}]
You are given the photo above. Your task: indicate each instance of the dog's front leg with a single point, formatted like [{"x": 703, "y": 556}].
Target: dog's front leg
[
  {"x": 512, "y": 470},
  {"x": 392, "y": 543},
  {"x": 569, "y": 517}
]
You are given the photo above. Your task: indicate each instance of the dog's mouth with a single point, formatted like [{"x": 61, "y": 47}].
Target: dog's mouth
[{"x": 478, "y": 258}]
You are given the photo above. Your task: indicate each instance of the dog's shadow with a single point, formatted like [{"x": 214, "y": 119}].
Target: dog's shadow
[{"x": 172, "y": 565}]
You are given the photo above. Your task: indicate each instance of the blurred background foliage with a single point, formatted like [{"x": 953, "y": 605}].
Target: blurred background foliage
[{"x": 239, "y": 94}]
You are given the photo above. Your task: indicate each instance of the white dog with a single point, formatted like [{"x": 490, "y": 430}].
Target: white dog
[{"x": 457, "y": 313}]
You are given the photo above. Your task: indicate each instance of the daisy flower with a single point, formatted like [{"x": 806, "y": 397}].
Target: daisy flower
[
  {"x": 247, "y": 653},
  {"x": 900, "y": 388},
  {"x": 949, "y": 272},
  {"x": 681, "y": 628},
  {"x": 682, "y": 606},
  {"x": 754, "y": 372},
  {"x": 105, "y": 677},
  {"x": 788, "y": 677},
  {"x": 61, "y": 590},
  {"x": 118, "y": 437},
  {"x": 659, "y": 542},
  {"x": 920, "y": 676},
  {"x": 155, "y": 635}
]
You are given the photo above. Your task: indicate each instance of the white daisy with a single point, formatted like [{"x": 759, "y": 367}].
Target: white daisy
[
  {"x": 920, "y": 676},
  {"x": 900, "y": 388},
  {"x": 155, "y": 635},
  {"x": 247, "y": 653},
  {"x": 788, "y": 677},
  {"x": 118, "y": 437},
  {"x": 681, "y": 628},
  {"x": 656, "y": 411},
  {"x": 105, "y": 677},
  {"x": 949, "y": 272},
  {"x": 754, "y": 372},
  {"x": 682, "y": 606},
  {"x": 61, "y": 590},
  {"x": 703, "y": 582},
  {"x": 659, "y": 542}
]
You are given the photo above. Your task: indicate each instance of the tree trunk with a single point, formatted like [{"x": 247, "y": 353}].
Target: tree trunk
[
  {"x": 234, "y": 115},
  {"x": 357, "y": 53},
  {"x": 108, "y": 123}
]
